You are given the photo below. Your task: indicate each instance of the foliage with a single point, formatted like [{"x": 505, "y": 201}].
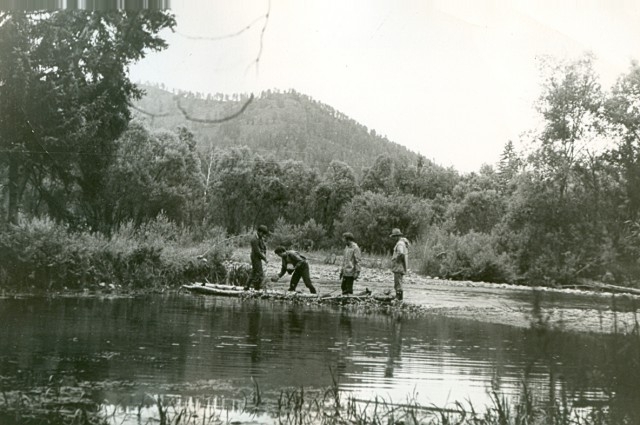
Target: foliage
[
  {"x": 509, "y": 166},
  {"x": 304, "y": 237},
  {"x": 478, "y": 211},
  {"x": 566, "y": 202},
  {"x": 299, "y": 181},
  {"x": 551, "y": 240},
  {"x": 337, "y": 187},
  {"x": 153, "y": 173},
  {"x": 245, "y": 189},
  {"x": 472, "y": 256},
  {"x": 229, "y": 201},
  {"x": 64, "y": 99},
  {"x": 379, "y": 178},
  {"x": 426, "y": 180},
  {"x": 371, "y": 216},
  {"x": 622, "y": 110},
  {"x": 42, "y": 255}
]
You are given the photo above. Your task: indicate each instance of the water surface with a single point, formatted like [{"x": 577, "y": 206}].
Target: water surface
[{"x": 211, "y": 343}]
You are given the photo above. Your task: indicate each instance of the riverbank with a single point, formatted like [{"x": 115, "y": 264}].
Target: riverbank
[{"x": 569, "y": 310}]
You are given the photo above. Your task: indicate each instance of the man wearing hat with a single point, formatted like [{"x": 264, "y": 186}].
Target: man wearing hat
[
  {"x": 295, "y": 264},
  {"x": 258, "y": 255},
  {"x": 399, "y": 261}
]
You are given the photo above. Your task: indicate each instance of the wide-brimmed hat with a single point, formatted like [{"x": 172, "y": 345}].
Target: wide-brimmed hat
[
  {"x": 395, "y": 232},
  {"x": 264, "y": 229},
  {"x": 348, "y": 235}
]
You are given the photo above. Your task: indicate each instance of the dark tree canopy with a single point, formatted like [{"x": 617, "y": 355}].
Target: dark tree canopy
[{"x": 64, "y": 99}]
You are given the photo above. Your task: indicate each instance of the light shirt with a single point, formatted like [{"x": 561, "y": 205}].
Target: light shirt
[
  {"x": 400, "y": 252},
  {"x": 351, "y": 260}
]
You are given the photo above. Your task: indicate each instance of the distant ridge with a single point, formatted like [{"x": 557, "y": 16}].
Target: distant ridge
[{"x": 287, "y": 125}]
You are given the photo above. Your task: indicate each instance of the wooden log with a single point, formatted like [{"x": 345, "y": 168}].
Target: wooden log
[
  {"x": 601, "y": 286},
  {"x": 238, "y": 291}
]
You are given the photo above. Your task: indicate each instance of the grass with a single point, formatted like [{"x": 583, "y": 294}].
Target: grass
[
  {"x": 54, "y": 403},
  {"x": 43, "y": 256}
]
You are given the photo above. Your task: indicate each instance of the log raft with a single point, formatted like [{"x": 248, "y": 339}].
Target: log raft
[{"x": 239, "y": 292}]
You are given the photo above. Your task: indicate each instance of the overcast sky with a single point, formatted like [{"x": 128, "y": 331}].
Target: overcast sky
[{"x": 453, "y": 80}]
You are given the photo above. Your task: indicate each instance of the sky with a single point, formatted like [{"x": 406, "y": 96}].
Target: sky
[{"x": 452, "y": 80}]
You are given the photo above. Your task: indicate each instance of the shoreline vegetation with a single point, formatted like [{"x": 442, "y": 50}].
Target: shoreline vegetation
[
  {"x": 56, "y": 401},
  {"x": 44, "y": 258},
  {"x": 41, "y": 256}
]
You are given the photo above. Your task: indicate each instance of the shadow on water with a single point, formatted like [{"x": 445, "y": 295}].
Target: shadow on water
[{"x": 133, "y": 357}]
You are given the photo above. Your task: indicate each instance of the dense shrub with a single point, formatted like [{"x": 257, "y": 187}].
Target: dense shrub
[
  {"x": 468, "y": 257},
  {"x": 42, "y": 255},
  {"x": 305, "y": 237},
  {"x": 371, "y": 216},
  {"x": 478, "y": 211}
]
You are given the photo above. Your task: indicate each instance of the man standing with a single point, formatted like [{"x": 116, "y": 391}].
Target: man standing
[
  {"x": 350, "y": 263},
  {"x": 399, "y": 261},
  {"x": 258, "y": 255},
  {"x": 293, "y": 260}
]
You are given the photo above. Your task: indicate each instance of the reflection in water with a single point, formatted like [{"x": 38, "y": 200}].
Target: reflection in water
[
  {"x": 208, "y": 410},
  {"x": 206, "y": 344},
  {"x": 395, "y": 348},
  {"x": 253, "y": 335},
  {"x": 345, "y": 336}
]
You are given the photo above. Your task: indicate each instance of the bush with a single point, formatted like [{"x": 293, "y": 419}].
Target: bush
[
  {"x": 371, "y": 216},
  {"x": 468, "y": 257},
  {"x": 305, "y": 237},
  {"x": 42, "y": 255}
]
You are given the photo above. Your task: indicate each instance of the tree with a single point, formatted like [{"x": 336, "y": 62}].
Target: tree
[
  {"x": 152, "y": 173},
  {"x": 509, "y": 165},
  {"x": 371, "y": 216},
  {"x": 555, "y": 224},
  {"x": 267, "y": 194},
  {"x": 64, "y": 100},
  {"x": 229, "y": 203},
  {"x": 300, "y": 182},
  {"x": 622, "y": 110},
  {"x": 380, "y": 177},
  {"x": 478, "y": 211},
  {"x": 485, "y": 179},
  {"x": 336, "y": 189},
  {"x": 569, "y": 105},
  {"x": 428, "y": 181}
]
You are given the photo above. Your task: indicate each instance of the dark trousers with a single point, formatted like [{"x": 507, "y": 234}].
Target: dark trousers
[
  {"x": 257, "y": 274},
  {"x": 301, "y": 271},
  {"x": 347, "y": 285}
]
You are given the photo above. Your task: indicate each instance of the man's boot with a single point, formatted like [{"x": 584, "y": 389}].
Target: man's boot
[{"x": 399, "y": 295}]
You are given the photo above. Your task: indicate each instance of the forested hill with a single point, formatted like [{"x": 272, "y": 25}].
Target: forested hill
[{"x": 286, "y": 124}]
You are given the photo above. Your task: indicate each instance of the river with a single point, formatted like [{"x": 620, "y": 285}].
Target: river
[{"x": 207, "y": 345}]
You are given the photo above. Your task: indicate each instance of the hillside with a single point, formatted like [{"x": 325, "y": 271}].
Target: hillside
[{"x": 286, "y": 124}]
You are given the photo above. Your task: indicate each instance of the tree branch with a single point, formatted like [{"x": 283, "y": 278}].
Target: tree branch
[
  {"x": 223, "y": 37},
  {"x": 217, "y": 121},
  {"x": 264, "y": 28},
  {"x": 149, "y": 113}
]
